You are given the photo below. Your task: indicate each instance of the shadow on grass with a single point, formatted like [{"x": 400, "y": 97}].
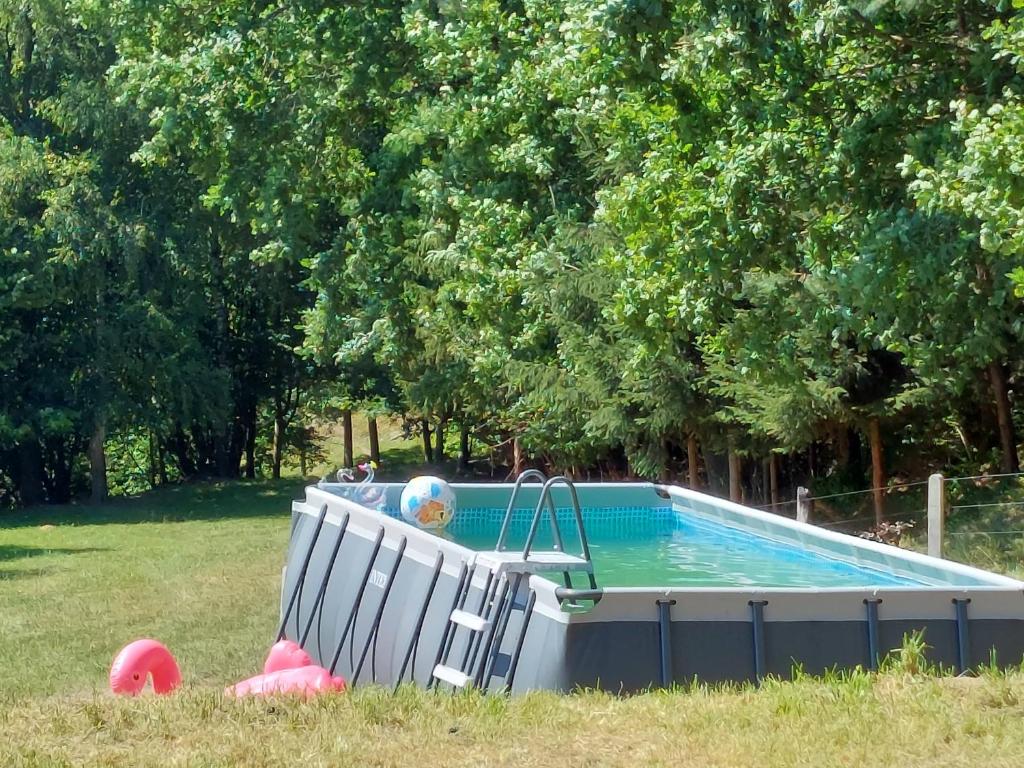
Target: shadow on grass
[
  {"x": 10, "y": 574},
  {"x": 189, "y": 501},
  {"x": 17, "y": 551},
  {"x": 219, "y": 500}
]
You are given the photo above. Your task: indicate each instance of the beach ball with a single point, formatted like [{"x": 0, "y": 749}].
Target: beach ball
[{"x": 427, "y": 502}]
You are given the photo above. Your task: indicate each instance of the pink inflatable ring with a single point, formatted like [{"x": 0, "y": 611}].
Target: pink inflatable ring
[{"x": 140, "y": 660}]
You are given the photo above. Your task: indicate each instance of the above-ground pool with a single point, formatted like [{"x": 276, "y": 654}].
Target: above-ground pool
[
  {"x": 667, "y": 585},
  {"x": 641, "y": 546}
]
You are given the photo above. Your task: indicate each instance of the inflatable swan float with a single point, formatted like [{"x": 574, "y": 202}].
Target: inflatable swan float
[{"x": 364, "y": 492}]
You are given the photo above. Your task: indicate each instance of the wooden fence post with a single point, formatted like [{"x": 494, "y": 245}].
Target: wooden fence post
[
  {"x": 936, "y": 513},
  {"x": 803, "y": 505}
]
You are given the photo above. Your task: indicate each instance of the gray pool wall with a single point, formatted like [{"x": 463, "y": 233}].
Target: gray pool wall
[{"x": 633, "y": 638}]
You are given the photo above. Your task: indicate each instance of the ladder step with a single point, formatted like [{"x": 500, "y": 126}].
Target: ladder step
[
  {"x": 451, "y": 676},
  {"x": 470, "y": 621}
]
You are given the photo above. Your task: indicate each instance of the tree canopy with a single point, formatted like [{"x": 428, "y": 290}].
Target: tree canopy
[{"x": 749, "y": 242}]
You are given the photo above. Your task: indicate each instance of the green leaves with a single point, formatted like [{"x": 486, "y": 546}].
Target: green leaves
[{"x": 596, "y": 227}]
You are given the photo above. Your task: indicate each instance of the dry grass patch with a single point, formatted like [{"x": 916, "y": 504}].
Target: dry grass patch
[{"x": 889, "y": 720}]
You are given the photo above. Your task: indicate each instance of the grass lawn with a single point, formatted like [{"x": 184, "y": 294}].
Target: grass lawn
[{"x": 198, "y": 567}]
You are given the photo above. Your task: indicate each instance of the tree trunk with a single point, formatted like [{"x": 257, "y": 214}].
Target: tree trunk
[
  {"x": 30, "y": 472},
  {"x": 517, "y": 458},
  {"x": 152, "y": 459},
  {"x": 222, "y": 453},
  {"x": 877, "y": 469},
  {"x": 439, "y": 440},
  {"x": 773, "y": 477},
  {"x": 180, "y": 449},
  {"x": 98, "y": 463},
  {"x": 230, "y": 438},
  {"x": 371, "y": 429},
  {"x": 692, "y": 461},
  {"x": 60, "y": 460},
  {"x": 238, "y": 439},
  {"x": 735, "y": 476},
  {"x": 161, "y": 462},
  {"x": 464, "y": 453},
  {"x": 279, "y": 429},
  {"x": 346, "y": 438},
  {"x": 766, "y": 483},
  {"x": 428, "y": 451},
  {"x": 1007, "y": 437},
  {"x": 250, "y": 443},
  {"x": 302, "y": 451},
  {"x": 841, "y": 437}
]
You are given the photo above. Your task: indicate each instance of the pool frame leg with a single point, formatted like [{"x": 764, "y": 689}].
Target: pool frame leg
[
  {"x": 358, "y": 600},
  {"x": 322, "y": 591},
  {"x": 300, "y": 581},
  {"x": 665, "y": 640},
  {"x": 494, "y": 647},
  {"x": 871, "y": 606},
  {"x": 375, "y": 625},
  {"x": 513, "y": 665},
  {"x": 757, "y": 624},
  {"x": 963, "y": 640},
  {"x": 447, "y": 637},
  {"x": 418, "y": 627}
]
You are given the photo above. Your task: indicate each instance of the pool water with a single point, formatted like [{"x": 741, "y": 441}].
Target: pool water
[{"x": 660, "y": 547}]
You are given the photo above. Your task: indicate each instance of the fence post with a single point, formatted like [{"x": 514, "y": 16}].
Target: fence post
[
  {"x": 803, "y": 505},
  {"x": 936, "y": 513}
]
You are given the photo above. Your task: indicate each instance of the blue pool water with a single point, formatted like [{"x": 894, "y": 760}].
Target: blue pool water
[{"x": 655, "y": 547}]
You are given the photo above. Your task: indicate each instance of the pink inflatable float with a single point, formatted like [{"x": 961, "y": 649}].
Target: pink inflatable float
[
  {"x": 286, "y": 654},
  {"x": 307, "y": 681},
  {"x": 140, "y": 660},
  {"x": 288, "y": 669}
]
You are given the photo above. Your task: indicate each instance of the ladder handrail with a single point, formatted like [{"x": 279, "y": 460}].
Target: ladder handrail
[
  {"x": 530, "y": 474},
  {"x": 545, "y": 495},
  {"x": 488, "y": 623}
]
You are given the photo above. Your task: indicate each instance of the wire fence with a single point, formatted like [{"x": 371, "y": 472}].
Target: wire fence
[
  {"x": 987, "y": 505},
  {"x": 986, "y": 477},
  {"x": 791, "y": 502},
  {"x": 871, "y": 519},
  {"x": 885, "y": 489},
  {"x": 867, "y": 521}
]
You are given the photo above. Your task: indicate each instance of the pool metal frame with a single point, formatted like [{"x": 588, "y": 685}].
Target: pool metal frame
[{"x": 387, "y": 590}]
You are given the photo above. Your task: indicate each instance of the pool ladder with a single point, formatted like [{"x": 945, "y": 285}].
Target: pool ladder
[{"x": 506, "y": 589}]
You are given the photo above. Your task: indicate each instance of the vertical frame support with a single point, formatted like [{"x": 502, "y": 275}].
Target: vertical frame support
[
  {"x": 358, "y": 599},
  {"x": 513, "y": 665},
  {"x": 963, "y": 639},
  {"x": 375, "y": 625},
  {"x": 757, "y": 623},
  {"x": 414, "y": 637},
  {"x": 300, "y": 581},
  {"x": 325, "y": 579},
  {"x": 871, "y": 606},
  {"x": 448, "y": 636},
  {"x": 665, "y": 640}
]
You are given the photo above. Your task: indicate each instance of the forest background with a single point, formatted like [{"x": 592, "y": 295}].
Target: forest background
[{"x": 752, "y": 244}]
